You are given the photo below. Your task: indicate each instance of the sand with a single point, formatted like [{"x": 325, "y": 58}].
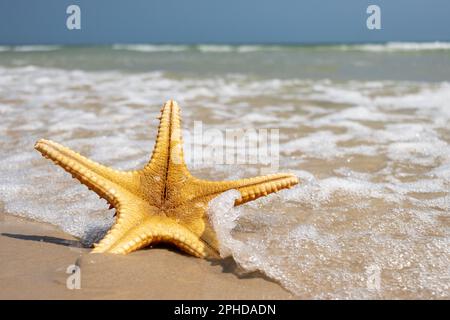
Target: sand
[{"x": 34, "y": 257}]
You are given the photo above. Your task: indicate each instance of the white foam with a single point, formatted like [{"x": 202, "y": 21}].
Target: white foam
[
  {"x": 30, "y": 48},
  {"x": 223, "y": 218},
  {"x": 237, "y": 49},
  {"x": 150, "y": 47},
  {"x": 398, "y": 47},
  {"x": 223, "y": 48},
  {"x": 251, "y": 256},
  {"x": 206, "y": 48}
]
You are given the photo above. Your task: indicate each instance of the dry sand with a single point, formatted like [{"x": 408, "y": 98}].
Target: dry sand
[{"x": 34, "y": 257}]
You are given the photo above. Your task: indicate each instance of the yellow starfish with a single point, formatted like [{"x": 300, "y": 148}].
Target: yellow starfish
[{"x": 161, "y": 202}]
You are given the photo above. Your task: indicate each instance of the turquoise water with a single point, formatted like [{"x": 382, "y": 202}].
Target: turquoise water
[{"x": 396, "y": 61}]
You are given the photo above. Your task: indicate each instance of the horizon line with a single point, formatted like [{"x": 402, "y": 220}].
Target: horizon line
[{"x": 192, "y": 44}]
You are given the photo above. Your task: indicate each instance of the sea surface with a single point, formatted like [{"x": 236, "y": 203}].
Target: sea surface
[{"x": 366, "y": 128}]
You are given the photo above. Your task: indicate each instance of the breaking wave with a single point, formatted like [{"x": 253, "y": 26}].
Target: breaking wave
[
  {"x": 208, "y": 48},
  {"x": 398, "y": 47},
  {"x": 226, "y": 48},
  {"x": 30, "y": 48}
]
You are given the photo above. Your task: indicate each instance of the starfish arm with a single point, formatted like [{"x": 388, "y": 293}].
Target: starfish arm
[
  {"x": 168, "y": 151},
  {"x": 193, "y": 216},
  {"x": 250, "y": 188},
  {"x": 101, "y": 179},
  {"x": 130, "y": 213},
  {"x": 166, "y": 170},
  {"x": 156, "y": 229}
]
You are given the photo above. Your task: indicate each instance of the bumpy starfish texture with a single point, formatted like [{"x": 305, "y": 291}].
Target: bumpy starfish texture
[{"x": 161, "y": 202}]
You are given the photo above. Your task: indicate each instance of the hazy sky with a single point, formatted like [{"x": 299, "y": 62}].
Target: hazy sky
[{"x": 222, "y": 21}]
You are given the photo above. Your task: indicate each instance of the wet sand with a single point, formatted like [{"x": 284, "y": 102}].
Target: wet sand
[{"x": 34, "y": 257}]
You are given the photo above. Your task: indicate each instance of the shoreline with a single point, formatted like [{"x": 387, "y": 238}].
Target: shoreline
[{"x": 34, "y": 257}]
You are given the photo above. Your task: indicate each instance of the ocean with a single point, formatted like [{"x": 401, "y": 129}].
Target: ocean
[{"x": 366, "y": 128}]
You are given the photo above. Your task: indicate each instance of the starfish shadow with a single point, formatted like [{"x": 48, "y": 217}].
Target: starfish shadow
[
  {"x": 47, "y": 239},
  {"x": 229, "y": 265}
]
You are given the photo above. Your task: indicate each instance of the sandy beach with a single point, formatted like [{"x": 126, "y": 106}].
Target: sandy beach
[{"x": 34, "y": 257}]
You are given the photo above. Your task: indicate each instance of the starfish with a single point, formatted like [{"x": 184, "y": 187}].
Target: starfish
[{"x": 162, "y": 202}]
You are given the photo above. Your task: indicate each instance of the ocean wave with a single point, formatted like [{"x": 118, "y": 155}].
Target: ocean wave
[
  {"x": 206, "y": 48},
  {"x": 224, "y": 48},
  {"x": 397, "y": 47},
  {"x": 150, "y": 47},
  {"x": 29, "y": 48},
  {"x": 239, "y": 48}
]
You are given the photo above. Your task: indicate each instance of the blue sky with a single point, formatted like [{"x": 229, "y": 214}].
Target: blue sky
[{"x": 222, "y": 21}]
